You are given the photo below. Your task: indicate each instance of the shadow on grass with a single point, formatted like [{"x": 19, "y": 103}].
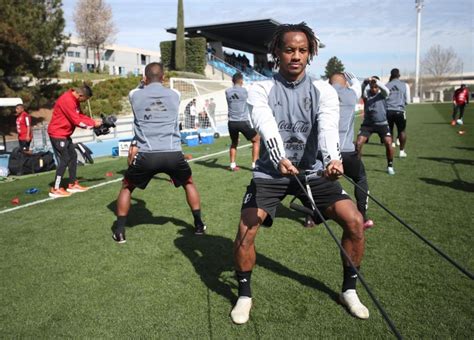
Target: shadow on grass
[
  {"x": 212, "y": 258},
  {"x": 140, "y": 214},
  {"x": 456, "y": 184},
  {"x": 212, "y": 163},
  {"x": 212, "y": 255},
  {"x": 449, "y": 160},
  {"x": 464, "y": 148}
]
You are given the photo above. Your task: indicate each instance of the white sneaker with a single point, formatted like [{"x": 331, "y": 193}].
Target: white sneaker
[
  {"x": 403, "y": 154},
  {"x": 390, "y": 170},
  {"x": 241, "y": 312},
  {"x": 394, "y": 145},
  {"x": 350, "y": 299},
  {"x": 398, "y": 141},
  {"x": 459, "y": 122}
]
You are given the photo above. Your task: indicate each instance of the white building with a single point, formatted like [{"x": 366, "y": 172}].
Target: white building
[{"x": 118, "y": 60}]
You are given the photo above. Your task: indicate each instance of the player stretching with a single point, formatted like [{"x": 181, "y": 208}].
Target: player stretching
[
  {"x": 156, "y": 148},
  {"x": 295, "y": 116},
  {"x": 375, "y": 119},
  {"x": 396, "y": 114},
  {"x": 239, "y": 120},
  {"x": 349, "y": 91}
]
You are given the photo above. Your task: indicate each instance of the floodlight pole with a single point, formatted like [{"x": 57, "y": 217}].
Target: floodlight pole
[{"x": 419, "y": 6}]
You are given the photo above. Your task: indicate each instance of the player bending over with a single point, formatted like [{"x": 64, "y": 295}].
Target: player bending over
[{"x": 375, "y": 119}]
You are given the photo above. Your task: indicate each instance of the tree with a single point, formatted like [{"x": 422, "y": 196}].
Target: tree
[
  {"x": 94, "y": 25},
  {"x": 180, "y": 53},
  {"x": 438, "y": 64},
  {"x": 334, "y": 65},
  {"x": 31, "y": 38}
]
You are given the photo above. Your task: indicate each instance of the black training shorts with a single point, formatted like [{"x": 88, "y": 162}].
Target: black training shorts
[
  {"x": 397, "y": 118},
  {"x": 382, "y": 130},
  {"x": 243, "y": 127},
  {"x": 267, "y": 194},
  {"x": 148, "y": 164}
]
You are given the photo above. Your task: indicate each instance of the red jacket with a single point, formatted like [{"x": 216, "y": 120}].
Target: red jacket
[
  {"x": 66, "y": 116},
  {"x": 461, "y": 96},
  {"x": 23, "y": 121}
]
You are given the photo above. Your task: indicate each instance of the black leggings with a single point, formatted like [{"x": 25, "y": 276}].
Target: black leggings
[
  {"x": 354, "y": 168},
  {"x": 461, "y": 111},
  {"x": 65, "y": 152}
]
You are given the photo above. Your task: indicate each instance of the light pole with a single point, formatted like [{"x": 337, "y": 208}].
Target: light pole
[{"x": 419, "y": 6}]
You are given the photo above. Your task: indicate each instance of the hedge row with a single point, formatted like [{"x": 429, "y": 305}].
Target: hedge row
[{"x": 195, "y": 54}]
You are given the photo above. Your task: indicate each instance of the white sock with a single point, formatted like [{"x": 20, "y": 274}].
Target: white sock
[
  {"x": 253, "y": 165},
  {"x": 57, "y": 183},
  {"x": 233, "y": 165}
]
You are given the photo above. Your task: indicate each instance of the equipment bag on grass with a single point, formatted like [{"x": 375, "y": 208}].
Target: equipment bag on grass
[
  {"x": 84, "y": 154},
  {"x": 20, "y": 163}
]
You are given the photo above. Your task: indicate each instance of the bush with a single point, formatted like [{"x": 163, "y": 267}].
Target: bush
[{"x": 195, "y": 54}]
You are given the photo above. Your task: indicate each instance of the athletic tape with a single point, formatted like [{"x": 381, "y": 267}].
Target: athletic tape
[{"x": 109, "y": 182}]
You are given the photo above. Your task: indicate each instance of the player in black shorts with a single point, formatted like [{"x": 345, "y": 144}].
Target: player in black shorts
[
  {"x": 295, "y": 116},
  {"x": 156, "y": 148},
  {"x": 375, "y": 119},
  {"x": 239, "y": 120}
]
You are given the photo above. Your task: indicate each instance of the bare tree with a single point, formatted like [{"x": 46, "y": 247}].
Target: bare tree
[
  {"x": 438, "y": 64},
  {"x": 94, "y": 25}
]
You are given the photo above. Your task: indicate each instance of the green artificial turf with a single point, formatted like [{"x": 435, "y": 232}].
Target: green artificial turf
[{"x": 62, "y": 276}]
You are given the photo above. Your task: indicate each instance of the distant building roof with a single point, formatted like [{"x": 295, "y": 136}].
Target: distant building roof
[
  {"x": 248, "y": 36},
  {"x": 119, "y": 48}
]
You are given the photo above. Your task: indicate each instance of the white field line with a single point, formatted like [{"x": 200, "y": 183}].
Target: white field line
[{"x": 109, "y": 182}]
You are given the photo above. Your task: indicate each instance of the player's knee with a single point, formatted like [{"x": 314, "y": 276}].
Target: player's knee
[
  {"x": 355, "y": 226},
  {"x": 126, "y": 184}
]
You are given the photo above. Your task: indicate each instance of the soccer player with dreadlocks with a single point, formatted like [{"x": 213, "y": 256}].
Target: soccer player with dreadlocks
[{"x": 296, "y": 117}]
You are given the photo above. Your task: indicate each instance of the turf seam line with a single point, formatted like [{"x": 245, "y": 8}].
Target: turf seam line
[{"x": 108, "y": 182}]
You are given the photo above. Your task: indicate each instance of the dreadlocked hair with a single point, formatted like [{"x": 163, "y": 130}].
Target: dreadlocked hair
[{"x": 277, "y": 39}]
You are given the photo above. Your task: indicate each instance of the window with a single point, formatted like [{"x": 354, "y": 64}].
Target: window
[
  {"x": 78, "y": 54},
  {"x": 143, "y": 59},
  {"x": 70, "y": 53}
]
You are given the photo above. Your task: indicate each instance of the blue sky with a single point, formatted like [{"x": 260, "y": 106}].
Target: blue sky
[{"x": 370, "y": 37}]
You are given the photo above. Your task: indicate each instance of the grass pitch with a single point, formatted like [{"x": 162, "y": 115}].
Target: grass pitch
[{"x": 61, "y": 275}]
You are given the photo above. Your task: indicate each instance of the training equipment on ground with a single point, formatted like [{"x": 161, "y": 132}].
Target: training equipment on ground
[
  {"x": 406, "y": 225},
  {"x": 315, "y": 212},
  {"x": 20, "y": 163},
  {"x": 241, "y": 312}
]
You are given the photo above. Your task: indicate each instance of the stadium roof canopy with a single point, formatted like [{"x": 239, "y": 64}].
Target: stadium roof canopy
[{"x": 248, "y": 36}]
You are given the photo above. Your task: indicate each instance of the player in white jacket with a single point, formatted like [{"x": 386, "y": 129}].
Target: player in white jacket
[{"x": 296, "y": 117}]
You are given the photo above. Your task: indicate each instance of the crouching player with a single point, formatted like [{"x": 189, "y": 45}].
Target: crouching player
[
  {"x": 295, "y": 117},
  {"x": 156, "y": 148}
]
